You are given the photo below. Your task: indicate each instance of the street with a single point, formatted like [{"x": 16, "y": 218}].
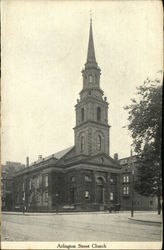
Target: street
[{"x": 77, "y": 227}]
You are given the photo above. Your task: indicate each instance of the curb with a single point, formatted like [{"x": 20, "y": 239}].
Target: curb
[
  {"x": 47, "y": 214},
  {"x": 147, "y": 221}
]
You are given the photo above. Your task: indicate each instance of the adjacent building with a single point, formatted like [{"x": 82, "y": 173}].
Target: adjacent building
[
  {"x": 127, "y": 182},
  {"x": 7, "y": 172}
]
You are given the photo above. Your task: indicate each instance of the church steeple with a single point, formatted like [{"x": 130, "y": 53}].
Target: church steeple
[
  {"x": 91, "y": 51},
  {"x": 92, "y": 129},
  {"x": 91, "y": 72}
]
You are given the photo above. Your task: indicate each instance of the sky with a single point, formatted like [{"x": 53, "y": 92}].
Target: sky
[{"x": 44, "y": 48}]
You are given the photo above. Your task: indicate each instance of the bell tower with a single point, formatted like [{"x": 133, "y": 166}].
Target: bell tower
[{"x": 92, "y": 130}]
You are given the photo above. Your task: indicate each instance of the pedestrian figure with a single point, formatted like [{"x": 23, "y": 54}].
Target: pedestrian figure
[
  {"x": 24, "y": 209},
  {"x": 110, "y": 209}
]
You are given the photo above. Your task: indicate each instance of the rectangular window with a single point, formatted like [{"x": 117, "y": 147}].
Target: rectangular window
[
  {"x": 111, "y": 180},
  {"x": 46, "y": 180},
  {"x": 45, "y": 196},
  {"x": 34, "y": 182},
  {"x": 23, "y": 196},
  {"x": 86, "y": 195},
  {"x": 111, "y": 196},
  {"x": 30, "y": 184},
  {"x": 23, "y": 186},
  {"x": 37, "y": 182},
  {"x": 127, "y": 178},
  {"x": 38, "y": 197},
  {"x": 126, "y": 190},
  {"x": 30, "y": 198}
]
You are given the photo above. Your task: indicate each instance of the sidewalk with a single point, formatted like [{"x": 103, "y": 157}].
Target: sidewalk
[
  {"x": 147, "y": 217},
  {"x": 52, "y": 213},
  {"x": 144, "y": 216}
]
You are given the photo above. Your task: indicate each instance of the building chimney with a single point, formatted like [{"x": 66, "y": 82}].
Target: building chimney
[
  {"x": 27, "y": 161},
  {"x": 115, "y": 156},
  {"x": 39, "y": 157}
]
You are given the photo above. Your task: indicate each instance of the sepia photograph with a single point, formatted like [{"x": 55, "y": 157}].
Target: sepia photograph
[{"x": 81, "y": 124}]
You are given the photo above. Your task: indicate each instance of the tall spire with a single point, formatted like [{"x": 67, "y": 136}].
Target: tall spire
[
  {"x": 91, "y": 71},
  {"x": 91, "y": 51}
]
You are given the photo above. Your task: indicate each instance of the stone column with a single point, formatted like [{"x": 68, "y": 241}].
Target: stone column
[
  {"x": 103, "y": 195},
  {"x": 108, "y": 187},
  {"x": 94, "y": 185}
]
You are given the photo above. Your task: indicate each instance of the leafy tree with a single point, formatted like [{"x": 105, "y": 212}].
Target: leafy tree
[{"x": 145, "y": 124}]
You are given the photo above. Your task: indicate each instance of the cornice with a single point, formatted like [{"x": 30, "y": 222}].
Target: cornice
[
  {"x": 91, "y": 99},
  {"x": 91, "y": 122},
  {"x": 92, "y": 166}
]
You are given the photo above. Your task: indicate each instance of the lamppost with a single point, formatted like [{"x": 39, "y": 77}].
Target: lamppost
[
  {"x": 57, "y": 196},
  {"x": 23, "y": 202},
  {"x": 157, "y": 165},
  {"x": 132, "y": 185}
]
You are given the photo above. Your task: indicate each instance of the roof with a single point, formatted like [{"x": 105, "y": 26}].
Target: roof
[
  {"x": 51, "y": 159},
  {"x": 61, "y": 153},
  {"x": 56, "y": 156},
  {"x": 127, "y": 160}
]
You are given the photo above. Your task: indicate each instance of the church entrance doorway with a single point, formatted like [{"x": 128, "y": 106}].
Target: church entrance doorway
[
  {"x": 100, "y": 194},
  {"x": 100, "y": 190},
  {"x": 72, "y": 195}
]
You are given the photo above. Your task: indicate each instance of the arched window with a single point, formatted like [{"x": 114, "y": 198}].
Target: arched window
[
  {"x": 72, "y": 179},
  {"x": 82, "y": 144},
  {"x": 87, "y": 178},
  {"x": 95, "y": 78},
  {"x": 99, "y": 181},
  {"x": 98, "y": 113},
  {"x": 98, "y": 142},
  {"x": 90, "y": 79},
  {"x": 82, "y": 114}
]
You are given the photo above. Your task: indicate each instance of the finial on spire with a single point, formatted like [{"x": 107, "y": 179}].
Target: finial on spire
[
  {"x": 90, "y": 16},
  {"x": 91, "y": 51}
]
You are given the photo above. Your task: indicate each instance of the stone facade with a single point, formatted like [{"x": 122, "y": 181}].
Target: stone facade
[{"x": 89, "y": 184}]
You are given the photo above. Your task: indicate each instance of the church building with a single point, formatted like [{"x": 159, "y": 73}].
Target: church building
[{"x": 83, "y": 177}]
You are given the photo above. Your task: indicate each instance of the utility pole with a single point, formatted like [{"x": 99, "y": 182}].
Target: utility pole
[
  {"x": 157, "y": 164},
  {"x": 132, "y": 185}
]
